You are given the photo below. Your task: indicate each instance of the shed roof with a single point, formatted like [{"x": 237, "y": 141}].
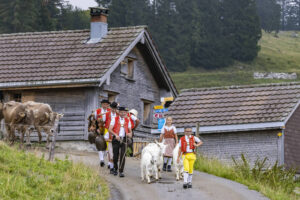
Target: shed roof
[
  {"x": 239, "y": 106},
  {"x": 41, "y": 58}
]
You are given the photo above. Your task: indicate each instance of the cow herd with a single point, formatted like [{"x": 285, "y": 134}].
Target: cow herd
[
  {"x": 152, "y": 161},
  {"x": 27, "y": 117}
]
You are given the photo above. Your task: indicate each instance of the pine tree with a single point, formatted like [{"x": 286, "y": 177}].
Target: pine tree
[{"x": 242, "y": 28}]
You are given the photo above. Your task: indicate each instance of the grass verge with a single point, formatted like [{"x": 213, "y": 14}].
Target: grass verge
[
  {"x": 24, "y": 176},
  {"x": 274, "y": 182}
]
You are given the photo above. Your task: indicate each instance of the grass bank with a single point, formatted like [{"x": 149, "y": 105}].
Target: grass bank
[
  {"x": 274, "y": 183},
  {"x": 24, "y": 176},
  {"x": 277, "y": 54}
]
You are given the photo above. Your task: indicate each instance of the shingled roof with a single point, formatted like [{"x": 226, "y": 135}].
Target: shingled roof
[
  {"x": 60, "y": 55},
  {"x": 64, "y": 57},
  {"x": 233, "y": 106}
]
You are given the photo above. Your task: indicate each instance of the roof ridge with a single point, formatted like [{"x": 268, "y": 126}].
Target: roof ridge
[
  {"x": 69, "y": 31},
  {"x": 240, "y": 86}
]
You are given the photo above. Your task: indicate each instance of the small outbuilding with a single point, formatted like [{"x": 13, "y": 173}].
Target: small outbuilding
[{"x": 259, "y": 121}]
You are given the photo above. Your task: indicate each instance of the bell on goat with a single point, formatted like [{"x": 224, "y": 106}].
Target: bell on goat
[
  {"x": 100, "y": 143},
  {"x": 92, "y": 138}
]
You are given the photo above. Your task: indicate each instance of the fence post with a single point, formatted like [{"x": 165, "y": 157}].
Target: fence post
[{"x": 52, "y": 147}]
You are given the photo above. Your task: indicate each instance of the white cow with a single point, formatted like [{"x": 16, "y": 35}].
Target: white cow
[
  {"x": 152, "y": 154},
  {"x": 177, "y": 166}
]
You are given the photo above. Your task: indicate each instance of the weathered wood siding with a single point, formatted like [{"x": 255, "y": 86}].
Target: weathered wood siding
[
  {"x": 132, "y": 92},
  {"x": 253, "y": 144},
  {"x": 292, "y": 141},
  {"x": 75, "y": 103}
]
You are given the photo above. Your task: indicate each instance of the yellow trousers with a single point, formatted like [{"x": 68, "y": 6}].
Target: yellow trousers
[
  {"x": 106, "y": 132},
  {"x": 188, "y": 162}
]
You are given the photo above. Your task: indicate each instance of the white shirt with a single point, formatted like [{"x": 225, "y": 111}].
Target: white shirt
[
  {"x": 112, "y": 117},
  {"x": 102, "y": 113},
  {"x": 168, "y": 129},
  {"x": 122, "y": 130},
  {"x": 188, "y": 150}
]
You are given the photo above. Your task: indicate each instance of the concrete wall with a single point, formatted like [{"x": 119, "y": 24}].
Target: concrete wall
[
  {"x": 133, "y": 92},
  {"x": 258, "y": 144}
]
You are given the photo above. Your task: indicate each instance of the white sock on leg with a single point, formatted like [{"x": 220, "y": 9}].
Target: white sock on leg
[
  {"x": 165, "y": 160},
  {"x": 190, "y": 178},
  {"x": 101, "y": 155},
  {"x": 111, "y": 165},
  {"x": 170, "y": 161},
  {"x": 185, "y": 177}
]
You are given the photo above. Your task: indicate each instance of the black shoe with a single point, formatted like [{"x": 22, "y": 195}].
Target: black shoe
[
  {"x": 189, "y": 185},
  {"x": 102, "y": 164},
  {"x": 165, "y": 167},
  {"x": 121, "y": 175},
  {"x": 185, "y": 186},
  {"x": 115, "y": 172},
  {"x": 111, "y": 171},
  {"x": 169, "y": 168}
]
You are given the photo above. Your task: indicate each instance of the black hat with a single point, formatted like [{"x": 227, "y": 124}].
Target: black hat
[
  {"x": 105, "y": 101},
  {"x": 114, "y": 105},
  {"x": 122, "y": 108}
]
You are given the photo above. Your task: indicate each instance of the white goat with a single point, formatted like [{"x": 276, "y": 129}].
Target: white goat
[
  {"x": 153, "y": 153},
  {"x": 177, "y": 166},
  {"x": 148, "y": 166}
]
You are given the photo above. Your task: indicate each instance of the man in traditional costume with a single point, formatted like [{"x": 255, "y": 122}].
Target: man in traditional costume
[
  {"x": 111, "y": 115},
  {"x": 132, "y": 114},
  {"x": 120, "y": 128},
  {"x": 187, "y": 146},
  {"x": 99, "y": 114}
]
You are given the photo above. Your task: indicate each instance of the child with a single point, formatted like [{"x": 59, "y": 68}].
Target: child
[
  {"x": 187, "y": 146},
  {"x": 169, "y": 135}
]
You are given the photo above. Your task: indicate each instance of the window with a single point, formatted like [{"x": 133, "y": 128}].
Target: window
[
  {"x": 130, "y": 68},
  {"x": 147, "y": 111},
  {"x": 127, "y": 68},
  {"x": 17, "y": 97},
  {"x": 112, "y": 97}
]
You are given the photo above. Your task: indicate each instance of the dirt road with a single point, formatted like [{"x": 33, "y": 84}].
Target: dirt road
[{"x": 205, "y": 186}]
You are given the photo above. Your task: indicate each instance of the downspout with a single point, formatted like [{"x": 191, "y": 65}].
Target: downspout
[{"x": 281, "y": 146}]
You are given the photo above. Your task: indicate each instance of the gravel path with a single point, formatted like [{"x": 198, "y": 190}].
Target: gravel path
[{"x": 205, "y": 186}]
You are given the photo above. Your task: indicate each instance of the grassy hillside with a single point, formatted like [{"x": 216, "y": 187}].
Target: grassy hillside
[
  {"x": 277, "y": 54},
  {"x": 24, "y": 176}
]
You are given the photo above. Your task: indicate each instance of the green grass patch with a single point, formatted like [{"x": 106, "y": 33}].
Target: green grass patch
[
  {"x": 272, "y": 181},
  {"x": 24, "y": 176},
  {"x": 277, "y": 54}
]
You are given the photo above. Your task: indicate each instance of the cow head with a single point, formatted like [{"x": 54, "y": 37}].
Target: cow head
[{"x": 54, "y": 120}]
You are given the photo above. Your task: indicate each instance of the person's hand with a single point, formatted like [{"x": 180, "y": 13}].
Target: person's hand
[{"x": 117, "y": 137}]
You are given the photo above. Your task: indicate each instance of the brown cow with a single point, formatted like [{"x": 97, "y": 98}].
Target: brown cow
[
  {"x": 44, "y": 119},
  {"x": 15, "y": 117}
]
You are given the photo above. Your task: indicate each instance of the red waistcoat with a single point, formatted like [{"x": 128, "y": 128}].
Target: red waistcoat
[
  {"x": 98, "y": 112},
  {"x": 169, "y": 134},
  {"x": 117, "y": 125},
  {"x": 131, "y": 121},
  {"x": 184, "y": 143},
  {"x": 108, "y": 119}
]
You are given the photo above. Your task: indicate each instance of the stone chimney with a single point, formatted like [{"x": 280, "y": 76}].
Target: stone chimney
[{"x": 98, "y": 24}]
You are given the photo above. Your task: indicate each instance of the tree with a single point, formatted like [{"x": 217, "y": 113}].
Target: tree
[
  {"x": 269, "y": 14},
  {"x": 241, "y": 28}
]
